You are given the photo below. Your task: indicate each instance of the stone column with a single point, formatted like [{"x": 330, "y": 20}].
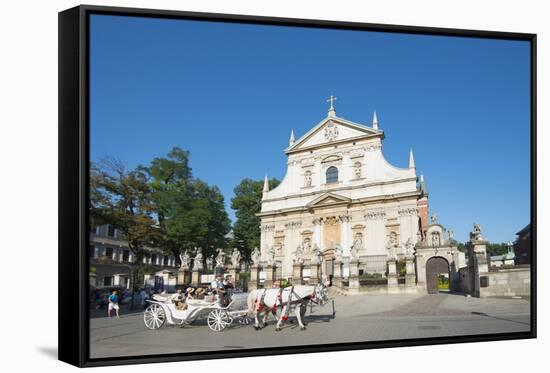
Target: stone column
[
  {"x": 297, "y": 274},
  {"x": 392, "y": 275},
  {"x": 410, "y": 276},
  {"x": 354, "y": 276},
  {"x": 253, "y": 282}
]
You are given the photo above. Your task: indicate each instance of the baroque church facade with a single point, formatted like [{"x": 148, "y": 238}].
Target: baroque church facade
[{"x": 341, "y": 201}]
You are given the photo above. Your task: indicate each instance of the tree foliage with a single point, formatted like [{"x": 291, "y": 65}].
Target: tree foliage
[
  {"x": 247, "y": 203},
  {"x": 159, "y": 205}
]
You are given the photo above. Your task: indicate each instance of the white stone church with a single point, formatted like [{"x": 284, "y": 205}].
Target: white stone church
[{"x": 342, "y": 200}]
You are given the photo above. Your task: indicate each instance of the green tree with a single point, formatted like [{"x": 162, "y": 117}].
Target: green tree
[
  {"x": 247, "y": 202},
  {"x": 190, "y": 212},
  {"x": 124, "y": 199}
]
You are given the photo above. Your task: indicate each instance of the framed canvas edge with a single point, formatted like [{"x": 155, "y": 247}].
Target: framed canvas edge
[{"x": 73, "y": 165}]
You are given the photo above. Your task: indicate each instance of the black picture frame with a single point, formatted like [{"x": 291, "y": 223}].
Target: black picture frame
[{"x": 73, "y": 183}]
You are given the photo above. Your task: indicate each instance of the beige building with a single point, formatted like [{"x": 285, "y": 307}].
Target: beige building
[{"x": 341, "y": 201}]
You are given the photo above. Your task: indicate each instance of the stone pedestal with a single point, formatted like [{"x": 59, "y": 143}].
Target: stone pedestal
[
  {"x": 410, "y": 276},
  {"x": 297, "y": 274},
  {"x": 269, "y": 276},
  {"x": 337, "y": 275},
  {"x": 196, "y": 277},
  {"x": 234, "y": 273},
  {"x": 182, "y": 277},
  {"x": 354, "y": 275},
  {"x": 253, "y": 282},
  {"x": 392, "y": 275}
]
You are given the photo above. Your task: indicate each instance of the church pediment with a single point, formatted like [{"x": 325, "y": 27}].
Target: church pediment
[
  {"x": 328, "y": 199},
  {"x": 332, "y": 130}
]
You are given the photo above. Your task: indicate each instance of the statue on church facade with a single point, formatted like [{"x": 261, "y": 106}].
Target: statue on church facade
[
  {"x": 358, "y": 242},
  {"x": 298, "y": 254},
  {"x": 433, "y": 218},
  {"x": 307, "y": 179},
  {"x": 409, "y": 247},
  {"x": 357, "y": 170}
]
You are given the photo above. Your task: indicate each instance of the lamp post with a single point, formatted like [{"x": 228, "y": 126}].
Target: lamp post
[{"x": 320, "y": 257}]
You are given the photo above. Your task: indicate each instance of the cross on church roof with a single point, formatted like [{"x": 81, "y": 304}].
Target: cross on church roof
[{"x": 331, "y": 99}]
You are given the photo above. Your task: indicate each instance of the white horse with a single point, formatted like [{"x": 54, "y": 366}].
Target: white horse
[{"x": 268, "y": 300}]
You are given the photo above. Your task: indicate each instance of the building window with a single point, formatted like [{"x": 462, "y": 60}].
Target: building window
[
  {"x": 332, "y": 175},
  {"x": 92, "y": 251},
  {"x": 110, "y": 230},
  {"x": 165, "y": 261},
  {"x": 126, "y": 255},
  {"x": 154, "y": 258},
  {"x": 108, "y": 281},
  {"x": 109, "y": 251}
]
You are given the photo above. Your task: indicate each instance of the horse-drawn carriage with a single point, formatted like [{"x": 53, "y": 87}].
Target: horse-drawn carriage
[
  {"x": 278, "y": 301},
  {"x": 218, "y": 316}
]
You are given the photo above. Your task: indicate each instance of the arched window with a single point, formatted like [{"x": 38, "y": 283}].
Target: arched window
[{"x": 332, "y": 175}]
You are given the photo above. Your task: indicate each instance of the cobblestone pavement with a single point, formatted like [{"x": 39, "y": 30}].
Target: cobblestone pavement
[{"x": 357, "y": 318}]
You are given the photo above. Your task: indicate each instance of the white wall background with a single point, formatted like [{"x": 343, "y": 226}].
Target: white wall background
[{"x": 28, "y": 180}]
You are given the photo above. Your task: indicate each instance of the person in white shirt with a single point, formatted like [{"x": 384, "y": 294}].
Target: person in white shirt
[{"x": 178, "y": 299}]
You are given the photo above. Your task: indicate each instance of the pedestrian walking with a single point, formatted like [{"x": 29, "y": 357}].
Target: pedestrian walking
[{"x": 113, "y": 304}]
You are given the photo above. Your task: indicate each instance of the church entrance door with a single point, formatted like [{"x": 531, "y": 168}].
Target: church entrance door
[{"x": 437, "y": 274}]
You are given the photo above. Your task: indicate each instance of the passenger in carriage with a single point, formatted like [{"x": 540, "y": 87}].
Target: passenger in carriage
[
  {"x": 179, "y": 300},
  {"x": 189, "y": 293},
  {"x": 199, "y": 293}
]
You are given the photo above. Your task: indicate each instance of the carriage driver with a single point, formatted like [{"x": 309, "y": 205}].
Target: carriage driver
[{"x": 219, "y": 288}]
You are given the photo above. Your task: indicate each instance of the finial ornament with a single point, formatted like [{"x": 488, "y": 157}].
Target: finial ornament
[
  {"x": 375, "y": 121},
  {"x": 411, "y": 159},
  {"x": 266, "y": 184},
  {"x": 291, "y": 141}
]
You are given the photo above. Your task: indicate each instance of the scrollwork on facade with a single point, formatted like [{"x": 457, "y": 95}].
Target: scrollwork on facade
[
  {"x": 370, "y": 148},
  {"x": 375, "y": 214},
  {"x": 268, "y": 227},
  {"x": 293, "y": 224},
  {"x": 408, "y": 211}
]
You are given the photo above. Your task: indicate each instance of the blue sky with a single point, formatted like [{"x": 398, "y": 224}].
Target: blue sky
[{"x": 230, "y": 93}]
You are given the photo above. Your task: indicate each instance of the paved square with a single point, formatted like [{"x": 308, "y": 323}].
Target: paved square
[{"x": 357, "y": 318}]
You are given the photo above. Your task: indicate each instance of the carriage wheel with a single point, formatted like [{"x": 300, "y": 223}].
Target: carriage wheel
[
  {"x": 154, "y": 317},
  {"x": 218, "y": 320}
]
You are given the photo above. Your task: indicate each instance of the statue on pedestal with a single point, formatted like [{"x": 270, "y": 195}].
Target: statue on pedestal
[
  {"x": 409, "y": 248},
  {"x": 220, "y": 258},
  {"x": 255, "y": 256},
  {"x": 209, "y": 262},
  {"x": 197, "y": 262},
  {"x": 298, "y": 254},
  {"x": 185, "y": 260},
  {"x": 271, "y": 256},
  {"x": 475, "y": 234},
  {"x": 235, "y": 258}
]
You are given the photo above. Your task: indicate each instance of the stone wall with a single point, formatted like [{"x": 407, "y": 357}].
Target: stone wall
[{"x": 507, "y": 282}]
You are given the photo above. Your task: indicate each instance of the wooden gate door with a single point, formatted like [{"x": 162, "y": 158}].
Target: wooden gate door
[{"x": 434, "y": 267}]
